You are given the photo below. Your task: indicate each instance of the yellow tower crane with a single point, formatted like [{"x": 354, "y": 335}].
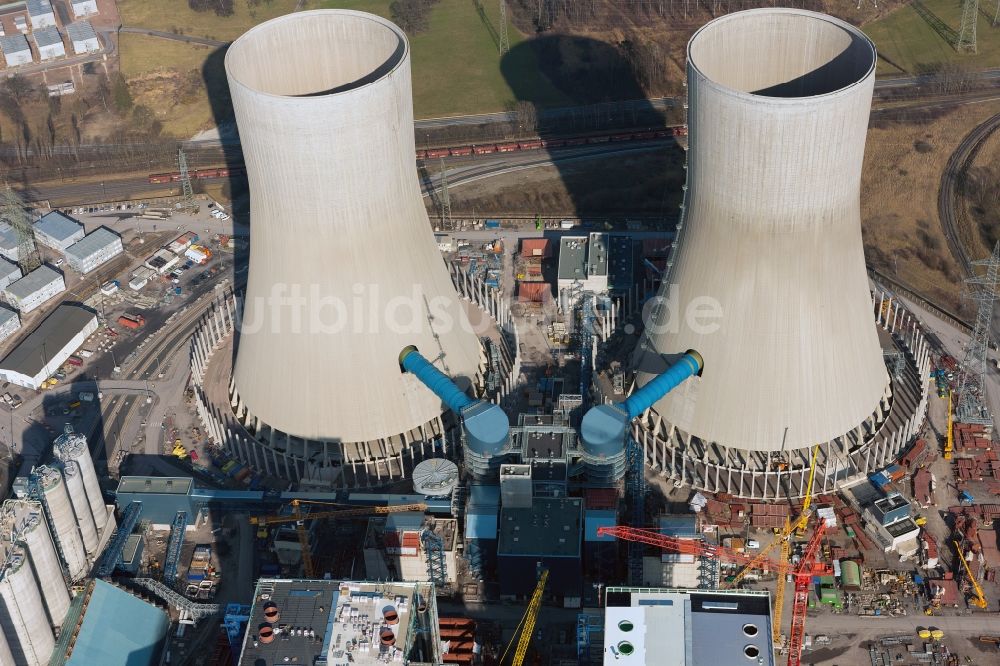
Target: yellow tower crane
[
  {"x": 300, "y": 519},
  {"x": 527, "y": 624},
  {"x": 980, "y": 600},
  {"x": 949, "y": 440},
  {"x": 779, "y": 591}
]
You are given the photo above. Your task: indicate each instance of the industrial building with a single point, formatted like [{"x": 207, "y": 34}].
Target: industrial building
[
  {"x": 82, "y": 36},
  {"x": 583, "y": 266},
  {"x": 162, "y": 261},
  {"x": 345, "y": 180},
  {"x": 342, "y": 622},
  {"x": 16, "y": 50},
  {"x": 83, "y": 8},
  {"x": 49, "y": 43},
  {"x": 58, "y": 231},
  {"x": 9, "y": 322},
  {"x": 547, "y": 533},
  {"x": 46, "y": 348},
  {"x": 670, "y": 627},
  {"x": 96, "y": 248},
  {"x": 34, "y": 289},
  {"x": 412, "y": 547},
  {"x": 9, "y": 272},
  {"x": 9, "y": 246},
  {"x": 41, "y": 14},
  {"x": 771, "y": 255}
]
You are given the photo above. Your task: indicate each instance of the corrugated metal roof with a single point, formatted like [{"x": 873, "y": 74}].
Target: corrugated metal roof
[
  {"x": 47, "y": 37},
  {"x": 6, "y": 315},
  {"x": 55, "y": 224},
  {"x": 33, "y": 281},
  {"x": 118, "y": 628},
  {"x": 39, "y": 7},
  {"x": 92, "y": 243},
  {"x": 11, "y": 44},
  {"x": 8, "y": 237},
  {"x": 80, "y": 31},
  {"x": 481, "y": 526},
  {"x": 533, "y": 291},
  {"x": 30, "y": 356},
  {"x": 536, "y": 247},
  {"x": 482, "y": 495},
  {"x": 8, "y": 268}
]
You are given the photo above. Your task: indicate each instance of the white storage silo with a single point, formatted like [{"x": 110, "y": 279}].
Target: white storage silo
[
  {"x": 60, "y": 511},
  {"x": 22, "y": 614},
  {"x": 27, "y": 520},
  {"x": 73, "y": 446},
  {"x": 78, "y": 498}
]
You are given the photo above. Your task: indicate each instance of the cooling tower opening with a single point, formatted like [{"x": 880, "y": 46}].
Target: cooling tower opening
[
  {"x": 315, "y": 53},
  {"x": 782, "y": 53}
]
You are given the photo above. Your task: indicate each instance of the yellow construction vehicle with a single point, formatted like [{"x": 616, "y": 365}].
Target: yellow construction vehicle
[
  {"x": 980, "y": 598},
  {"x": 949, "y": 440},
  {"x": 300, "y": 518},
  {"x": 179, "y": 449},
  {"x": 527, "y": 624}
]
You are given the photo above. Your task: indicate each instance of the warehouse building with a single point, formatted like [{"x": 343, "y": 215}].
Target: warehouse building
[
  {"x": 34, "y": 289},
  {"x": 9, "y": 272},
  {"x": 46, "y": 348},
  {"x": 549, "y": 532},
  {"x": 41, "y": 14},
  {"x": 82, "y": 37},
  {"x": 668, "y": 627},
  {"x": 58, "y": 231},
  {"x": 49, "y": 43},
  {"x": 9, "y": 247},
  {"x": 98, "y": 247},
  {"x": 16, "y": 50},
  {"x": 83, "y": 8},
  {"x": 9, "y": 323}
]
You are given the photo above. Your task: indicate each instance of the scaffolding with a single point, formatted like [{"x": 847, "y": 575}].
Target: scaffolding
[
  {"x": 437, "y": 569},
  {"x": 474, "y": 557},
  {"x": 589, "y": 631},
  {"x": 234, "y": 623},
  {"x": 174, "y": 546},
  {"x": 113, "y": 553}
]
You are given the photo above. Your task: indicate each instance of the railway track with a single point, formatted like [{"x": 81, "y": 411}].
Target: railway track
[{"x": 951, "y": 184}]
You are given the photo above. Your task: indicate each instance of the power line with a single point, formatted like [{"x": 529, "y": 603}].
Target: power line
[
  {"x": 966, "y": 42},
  {"x": 504, "y": 37},
  {"x": 13, "y": 211},
  {"x": 972, "y": 381}
]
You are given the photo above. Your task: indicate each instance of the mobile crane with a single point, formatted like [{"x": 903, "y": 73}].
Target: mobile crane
[
  {"x": 300, "y": 519},
  {"x": 980, "y": 598}
]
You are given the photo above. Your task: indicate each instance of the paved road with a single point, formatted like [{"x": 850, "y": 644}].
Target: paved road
[{"x": 204, "y": 41}]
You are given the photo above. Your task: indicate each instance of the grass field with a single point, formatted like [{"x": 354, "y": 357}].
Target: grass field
[
  {"x": 177, "y": 16},
  {"x": 921, "y": 35}
]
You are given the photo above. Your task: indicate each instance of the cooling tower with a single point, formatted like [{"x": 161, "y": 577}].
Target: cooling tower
[
  {"x": 343, "y": 268},
  {"x": 22, "y": 615},
  {"x": 26, "y": 520},
  {"x": 73, "y": 446},
  {"x": 770, "y": 241},
  {"x": 78, "y": 500},
  {"x": 63, "y": 520}
]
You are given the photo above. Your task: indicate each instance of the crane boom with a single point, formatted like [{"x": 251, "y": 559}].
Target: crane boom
[
  {"x": 803, "y": 520},
  {"x": 980, "y": 600},
  {"x": 803, "y": 577},
  {"x": 530, "y": 616},
  {"x": 779, "y": 590}
]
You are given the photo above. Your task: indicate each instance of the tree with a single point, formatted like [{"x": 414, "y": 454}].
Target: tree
[
  {"x": 19, "y": 88},
  {"x": 120, "y": 93}
]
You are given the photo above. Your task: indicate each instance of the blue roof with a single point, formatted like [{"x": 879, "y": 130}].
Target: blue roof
[
  {"x": 119, "y": 630},
  {"x": 408, "y": 521},
  {"x": 679, "y": 526},
  {"x": 481, "y": 526},
  {"x": 595, "y": 518},
  {"x": 481, "y": 495}
]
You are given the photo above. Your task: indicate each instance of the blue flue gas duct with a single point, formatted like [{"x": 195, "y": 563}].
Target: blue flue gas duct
[
  {"x": 442, "y": 386},
  {"x": 690, "y": 364}
]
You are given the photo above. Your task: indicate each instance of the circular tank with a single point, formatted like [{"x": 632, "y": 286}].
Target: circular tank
[
  {"x": 603, "y": 432},
  {"x": 64, "y": 527},
  {"x": 73, "y": 446},
  {"x": 22, "y": 613},
  {"x": 485, "y": 434},
  {"x": 34, "y": 531},
  {"x": 435, "y": 477},
  {"x": 78, "y": 499}
]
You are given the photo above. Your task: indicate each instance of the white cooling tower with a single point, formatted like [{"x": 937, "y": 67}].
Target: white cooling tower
[
  {"x": 6, "y": 656},
  {"x": 344, "y": 271},
  {"x": 778, "y": 114},
  {"x": 78, "y": 500},
  {"x": 22, "y": 614},
  {"x": 73, "y": 446},
  {"x": 63, "y": 519},
  {"x": 26, "y": 520}
]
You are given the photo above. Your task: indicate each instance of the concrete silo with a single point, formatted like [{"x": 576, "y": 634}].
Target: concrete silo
[
  {"x": 770, "y": 249},
  {"x": 25, "y": 519},
  {"x": 343, "y": 268},
  {"x": 81, "y": 509},
  {"x": 22, "y": 614},
  {"x": 73, "y": 446},
  {"x": 63, "y": 520}
]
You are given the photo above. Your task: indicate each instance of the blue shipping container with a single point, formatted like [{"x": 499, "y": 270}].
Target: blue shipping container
[{"x": 492, "y": 224}]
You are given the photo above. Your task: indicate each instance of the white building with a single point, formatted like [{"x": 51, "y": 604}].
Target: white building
[
  {"x": 16, "y": 50},
  {"x": 9, "y": 272},
  {"x": 9, "y": 247},
  {"x": 34, "y": 289},
  {"x": 82, "y": 37},
  {"x": 47, "y": 347},
  {"x": 41, "y": 14},
  {"x": 9, "y": 322},
  {"x": 96, "y": 248},
  {"x": 49, "y": 43},
  {"x": 162, "y": 261},
  {"x": 583, "y": 266},
  {"x": 58, "y": 231},
  {"x": 83, "y": 8}
]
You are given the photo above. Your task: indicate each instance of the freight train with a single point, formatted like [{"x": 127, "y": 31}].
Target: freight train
[{"x": 463, "y": 151}]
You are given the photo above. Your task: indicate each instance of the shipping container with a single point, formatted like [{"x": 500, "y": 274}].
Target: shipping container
[
  {"x": 492, "y": 224},
  {"x": 75, "y": 360},
  {"x": 131, "y": 321}
]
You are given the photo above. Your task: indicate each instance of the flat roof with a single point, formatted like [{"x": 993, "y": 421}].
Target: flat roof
[
  {"x": 573, "y": 258},
  {"x": 621, "y": 256},
  {"x": 81, "y": 30},
  {"x": 47, "y": 37},
  {"x": 131, "y": 546},
  {"x": 92, "y": 243},
  {"x": 6, "y": 314},
  {"x": 901, "y": 527},
  {"x": 8, "y": 237},
  {"x": 342, "y": 622},
  {"x": 54, "y": 333},
  {"x": 161, "y": 485},
  {"x": 55, "y": 224},
  {"x": 11, "y": 44},
  {"x": 551, "y": 527},
  {"x": 8, "y": 268},
  {"x": 597, "y": 256},
  {"x": 118, "y": 628},
  {"x": 39, "y": 7},
  {"x": 41, "y": 277}
]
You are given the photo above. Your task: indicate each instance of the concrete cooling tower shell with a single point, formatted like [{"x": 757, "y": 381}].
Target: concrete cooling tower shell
[
  {"x": 323, "y": 105},
  {"x": 771, "y": 237}
]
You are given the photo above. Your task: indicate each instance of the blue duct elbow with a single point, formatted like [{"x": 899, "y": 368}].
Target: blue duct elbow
[
  {"x": 443, "y": 387},
  {"x": 689, "y": 364}
]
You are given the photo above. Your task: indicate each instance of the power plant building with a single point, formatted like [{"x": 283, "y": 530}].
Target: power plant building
[
  {"x": 550, "y": 533},
  {"x": 96, "y": 248},
  {"x": 39, "y": 355},
  {"x": 323, "y": 103},
  {"x": 768, "y": 279},
  {"x": 34, "y": 289}
]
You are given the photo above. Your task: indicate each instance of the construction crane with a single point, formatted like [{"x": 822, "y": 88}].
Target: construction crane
[
  {"x": 949, "y": 441},
  {"x": 779, "y": 590},
  {"x": 804, "y": 572},
  {"x": 300, "y": 519},
  {"x": 527, "y": 624},
  {"x": 980, "y": 599}
]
